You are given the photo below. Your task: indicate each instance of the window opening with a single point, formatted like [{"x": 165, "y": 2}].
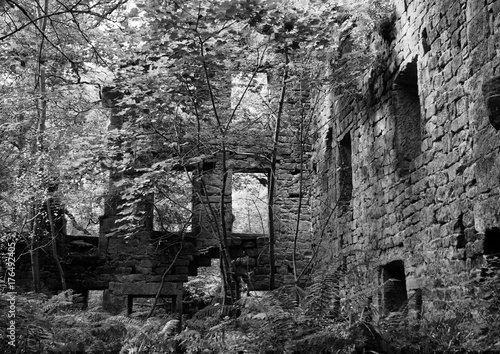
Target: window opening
[
  {"x": 459, "y": 231},
  {"x": 408, "y": 117},
  {"x": 491, "y": 250},
  {"x": 491, "y": 93},
  {"x": 251, "y": 99},
  {"x": 425, "y": 41},
  {"x": 249, "y": 203},
  {"x": 419, "y": 303},
  {"x": 345, "y": 169},
  {"x": 394, "y": 286},
  {"x": 208, "y": 166},
  {"x": 492, "y": 241},
  {"x": 173, "y": 203},
  {"x": 328, "y": 160}
]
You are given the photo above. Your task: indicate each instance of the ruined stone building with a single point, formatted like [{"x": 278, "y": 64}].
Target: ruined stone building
[
  {"x": 406, "y": 185},
  {"x": 402, "y": 182},
  {"x": 129, "y": 265}
]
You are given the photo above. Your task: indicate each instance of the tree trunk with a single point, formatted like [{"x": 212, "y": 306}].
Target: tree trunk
[
  {"x": 231, "y": 283},
  {"x": 38, "y": 145},
  {"x": 35, "y": 266},
  {"x": 53, "y": 235}
]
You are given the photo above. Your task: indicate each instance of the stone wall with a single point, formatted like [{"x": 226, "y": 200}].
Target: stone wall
[
  {"x": 250, "y": 151},
  {"x": 425, "y": 203},
  {"x": 134, "y": 267},
  {"x": 290, "y": 195}
]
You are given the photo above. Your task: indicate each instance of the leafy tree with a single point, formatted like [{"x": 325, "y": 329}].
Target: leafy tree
[{"x": 48, "y": 92}]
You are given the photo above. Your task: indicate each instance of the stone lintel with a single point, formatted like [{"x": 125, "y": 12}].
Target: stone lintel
[{"x": 145, "y": 289}]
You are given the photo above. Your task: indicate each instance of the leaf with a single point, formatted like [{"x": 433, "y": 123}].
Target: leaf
[{"x": 260, "y": 316}]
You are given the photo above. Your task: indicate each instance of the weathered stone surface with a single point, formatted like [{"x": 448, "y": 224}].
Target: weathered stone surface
[{"x": 405, "y": 206}]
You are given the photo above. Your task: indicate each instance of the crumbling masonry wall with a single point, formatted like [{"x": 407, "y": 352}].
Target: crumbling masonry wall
[{"x": 425, "y": 159}]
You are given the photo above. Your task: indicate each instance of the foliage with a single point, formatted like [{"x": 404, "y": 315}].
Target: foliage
[
  {"x": 51, "y": 127},
  {"x": 202, "y": 289},
  {"x": 57, "y": 325},
  {"x": 318, "y": 319}
]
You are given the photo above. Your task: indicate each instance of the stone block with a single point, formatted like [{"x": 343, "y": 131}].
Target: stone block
[
  {"x": 147, "y": 263},
  {"x": 478, "y": 58},
  {"x": 113, "y": 303},
  {"x": 486, "y": 214},
  {"x": 182, "y": 262},
  {"x": 181, "y": 270},
  {"x": 145, "y": 288},
  {"x": 123, "y": 270},
  {"x": 474, "y": 7},
  {"x": 143, "y": 270}
]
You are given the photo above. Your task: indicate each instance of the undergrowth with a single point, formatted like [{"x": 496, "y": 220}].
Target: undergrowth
[{"x": 318, "y": 319}]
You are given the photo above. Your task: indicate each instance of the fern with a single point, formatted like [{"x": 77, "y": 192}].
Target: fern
[
  {"x": 170, "y": 328},
  {"x": 127, "y": 321},
  {"x": 214, "y": 310},
  {"x": 321, "y": 295},
  {"x": 94, "y": 316}
]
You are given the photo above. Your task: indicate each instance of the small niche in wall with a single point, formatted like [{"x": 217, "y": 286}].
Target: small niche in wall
[
  {"x": 394, "y": 294},
  {"x": 418, "y": 303},
  {"x": 492, "y": 242},
  {"x": 345, "y": 169},
  {"x": 386, "y": 27},
  {"x": 459, "y": 232},
  {"x": 491, "y": 93},
  {"x": 328, "y": 139},
  {"x": 491, "y": 250},
  {"x": 208, "y": 166},
  {"x": 406, "y": 103},
  {"x": 425, "y": 41},
  {"x": 327, "y": 163}
]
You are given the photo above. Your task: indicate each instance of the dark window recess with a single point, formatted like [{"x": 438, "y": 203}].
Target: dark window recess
[
  {"x": 386, "y": 28},
  {"x": 425, "y": 41},
  {"x": 459, "y": 231},
  {"x": 208, "y": 166},
  {"x": 418, "y": 303},
  {"x": 491, "y": 93},
  {"x": 492, "y": 252},
  {"x": 406, "y": 104},
  {"x": 328, "y": 160},
  {"x": 492, "y": 241},
  {"x": 345, "y": 169},
  {"x": 328, "y": 139},
  {"x": 394, "y": 289}
]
